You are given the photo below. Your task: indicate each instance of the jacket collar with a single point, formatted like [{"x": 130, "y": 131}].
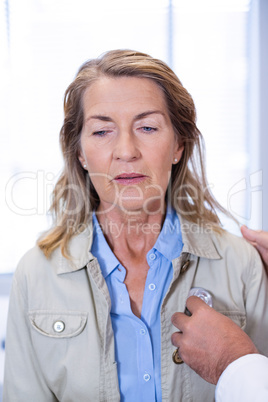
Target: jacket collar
[
  {"x": 79, "y": 250},
  {"x": 197, "y": 240}
]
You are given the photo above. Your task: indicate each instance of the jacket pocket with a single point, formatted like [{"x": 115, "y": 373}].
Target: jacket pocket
[
  {"x": 236, "y": 316},
  {"x": 58, "y": 324}
]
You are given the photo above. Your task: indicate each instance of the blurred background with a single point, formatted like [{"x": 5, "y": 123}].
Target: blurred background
[{"x": 218, "y": 49}]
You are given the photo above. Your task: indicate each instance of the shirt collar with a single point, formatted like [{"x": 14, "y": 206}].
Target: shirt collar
[
  {"x": 100, "y": 248},
  {"x": 169, "y": 242}
]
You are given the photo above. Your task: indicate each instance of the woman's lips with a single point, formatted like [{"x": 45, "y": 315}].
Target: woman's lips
[{"x": 129, "y": 178}]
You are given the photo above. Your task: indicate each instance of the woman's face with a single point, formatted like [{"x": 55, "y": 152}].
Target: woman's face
[{"x": 128, "y": 143}]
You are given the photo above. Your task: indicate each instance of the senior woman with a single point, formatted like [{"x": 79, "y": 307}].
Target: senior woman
[{"x": 135, "y": 229}]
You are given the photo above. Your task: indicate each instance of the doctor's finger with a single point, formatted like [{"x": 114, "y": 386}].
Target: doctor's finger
[
  {"x": 179, "y": 320},
  {"x": 176, "y": 338}
]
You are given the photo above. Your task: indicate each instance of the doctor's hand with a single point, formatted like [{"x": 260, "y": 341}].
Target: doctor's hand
[
  {"x": 259, "y": 239},
  {"x": 208, "y": 341}
]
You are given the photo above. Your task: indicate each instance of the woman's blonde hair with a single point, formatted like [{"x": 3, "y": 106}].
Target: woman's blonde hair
[{"x": 74, "y": 197}]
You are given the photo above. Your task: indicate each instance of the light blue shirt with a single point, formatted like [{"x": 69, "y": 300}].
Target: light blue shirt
[{"x": 138, "y": 340}]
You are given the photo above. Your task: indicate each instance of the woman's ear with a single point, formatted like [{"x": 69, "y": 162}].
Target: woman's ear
[
  {"x": 82, "y": 161},
  {"x": 178, "y": 153}
]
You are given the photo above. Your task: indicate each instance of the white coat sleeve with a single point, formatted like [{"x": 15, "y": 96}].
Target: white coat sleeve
[{"x": 246, "y": 380}]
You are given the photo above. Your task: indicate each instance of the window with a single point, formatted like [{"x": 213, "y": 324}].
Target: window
[{"x": 43, "y": 42}]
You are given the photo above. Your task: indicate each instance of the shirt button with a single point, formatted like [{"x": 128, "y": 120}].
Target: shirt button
[
  {"x": 146, "y": 377},
  {"x": 152, "y": 256},
  {"x": 152, "y": 286},
  {"x": 58, "y": 326},
  {"x": 142, "y": 331}
]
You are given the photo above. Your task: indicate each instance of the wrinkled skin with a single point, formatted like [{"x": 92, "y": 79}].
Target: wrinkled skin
[{"x": 209, "y": 341}]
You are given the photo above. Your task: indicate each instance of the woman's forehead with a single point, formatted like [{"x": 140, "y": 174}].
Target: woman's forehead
[{"x": 111, "y": 92}]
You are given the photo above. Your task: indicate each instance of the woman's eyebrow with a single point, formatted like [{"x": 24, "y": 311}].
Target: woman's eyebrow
[
  {"x": 137, "y": 117},
  {"x": 99, "y": 117},
  {"x": 148, "y": 113}
]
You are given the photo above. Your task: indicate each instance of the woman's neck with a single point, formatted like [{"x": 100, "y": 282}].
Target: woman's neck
[{"x": 132, "y": 233}]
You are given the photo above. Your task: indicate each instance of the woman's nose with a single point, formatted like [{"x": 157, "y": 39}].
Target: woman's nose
[{"x": 126, "y": 147}]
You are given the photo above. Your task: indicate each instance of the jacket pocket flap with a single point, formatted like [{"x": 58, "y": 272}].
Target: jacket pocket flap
[{"x": 58, "y": 324}]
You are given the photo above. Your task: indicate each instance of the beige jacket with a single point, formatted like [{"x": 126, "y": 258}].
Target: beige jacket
[{"x": 77, "y": 363}]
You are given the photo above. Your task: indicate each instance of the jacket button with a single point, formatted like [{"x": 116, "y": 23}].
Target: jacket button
[
  {"x": 185, "y": 266},
  {"x": 176, "y": 357},
  {"x": 58, "y": 326}
]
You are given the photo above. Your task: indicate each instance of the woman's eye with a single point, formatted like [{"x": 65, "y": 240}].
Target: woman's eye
[
  {"x": 148, "y": 129},
  {"x": 100, "y": 133}
]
